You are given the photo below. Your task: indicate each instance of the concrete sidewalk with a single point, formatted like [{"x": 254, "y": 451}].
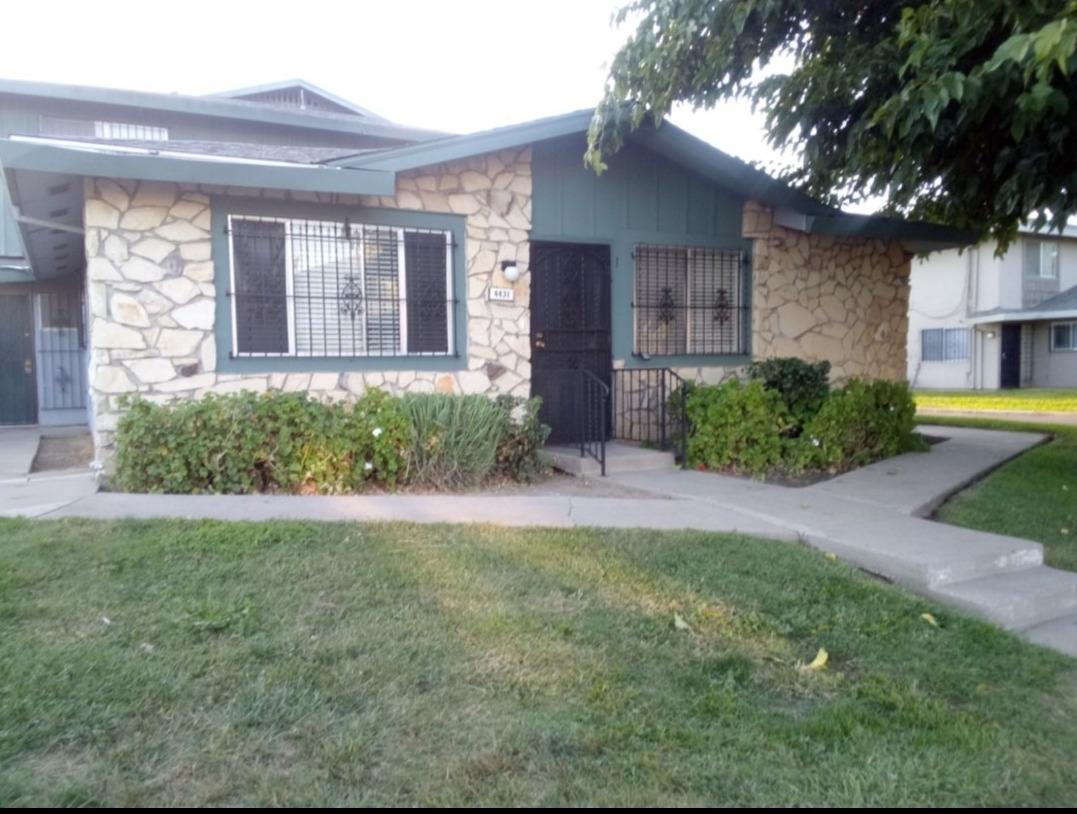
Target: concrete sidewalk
[
  {"x": 23, "y": 493},
  {"x": 873, "y": 518}
]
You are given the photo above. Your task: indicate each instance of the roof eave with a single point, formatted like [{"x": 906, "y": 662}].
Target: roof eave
[{"x": 32, "y": 157}]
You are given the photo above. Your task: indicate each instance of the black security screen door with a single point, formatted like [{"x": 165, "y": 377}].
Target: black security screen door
[
  {"x": 18, "y": 390},
  {"x": 570, "y": 329}
]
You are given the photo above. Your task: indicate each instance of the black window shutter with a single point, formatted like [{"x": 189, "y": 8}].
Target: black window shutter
[
  {"x": 428, "y": 307},
  {"x": 258, "y": 251}
]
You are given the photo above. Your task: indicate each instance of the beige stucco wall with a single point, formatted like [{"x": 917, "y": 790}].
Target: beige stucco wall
[
  {"x": 845, "y": 300},
  {"x": 152, "y": 298}
]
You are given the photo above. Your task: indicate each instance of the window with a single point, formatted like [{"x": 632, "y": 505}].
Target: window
[
  {"x": 690, "y": 300},
  {"x": 1041, "y": 259},
  {"x": 944, "y": 344},
  {"x": 59, "y": 127},
  {"x": 1064, "y": 336},
  {"x": 314, "y": 288}
]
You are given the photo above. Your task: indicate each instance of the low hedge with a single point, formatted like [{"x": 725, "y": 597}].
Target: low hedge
[
  {"x": 783, "y": 421},
  {"x": 289, "y": 442}
]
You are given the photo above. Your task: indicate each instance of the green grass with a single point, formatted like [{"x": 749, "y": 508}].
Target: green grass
[
  {"x": 315, "y": 664},
  {"x": 1025, "y": 399},
  {"x": 1033, "y": 496}
]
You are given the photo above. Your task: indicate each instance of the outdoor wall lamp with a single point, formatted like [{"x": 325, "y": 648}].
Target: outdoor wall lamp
[{"x": 510, "y": 270}]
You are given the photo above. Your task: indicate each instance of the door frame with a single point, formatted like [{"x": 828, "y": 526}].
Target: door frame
[
  {"x": 27, "y": 296},
  {"x": 606, "y": 372}
]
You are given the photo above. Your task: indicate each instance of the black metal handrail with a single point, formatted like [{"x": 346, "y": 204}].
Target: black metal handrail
[
  {"x": 646, "y": 411},
  {"x": 593, "y": 417}
]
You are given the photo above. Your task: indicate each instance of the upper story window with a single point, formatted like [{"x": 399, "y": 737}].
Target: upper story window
[
  {"x": 1041, "y": 259},
  {"x": 319, "y": 288},
  {"x": 944, "y": 344},
  {"x": 1064, "y": 336},
  {"x": 59, "y": 127},
  {"x": 690, "y": 300}
]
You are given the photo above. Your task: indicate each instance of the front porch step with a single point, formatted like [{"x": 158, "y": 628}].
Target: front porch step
[
  {"x": 621, "y": 459},
  {"x": 1018, "y": 600}
]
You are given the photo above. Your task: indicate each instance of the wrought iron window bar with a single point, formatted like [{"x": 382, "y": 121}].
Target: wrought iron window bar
[
  {"x": 338, "y": 289},
  {"x": 690, "y": 300}
]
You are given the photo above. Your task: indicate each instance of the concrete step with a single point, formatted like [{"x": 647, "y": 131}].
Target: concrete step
[
  {"x": 1059, "y": 634},
  {"x": 621, "y": 459},
  {"x": 1018, "y": 600}
]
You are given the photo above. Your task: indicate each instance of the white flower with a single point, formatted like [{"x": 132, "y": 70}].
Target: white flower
[
  {"x": 815, "y": 442},
  {"x": 377, "y": 432},
  {"x": 368, "y": 466}
]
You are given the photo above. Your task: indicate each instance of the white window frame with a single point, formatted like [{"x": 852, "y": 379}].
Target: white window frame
[
  {"x": 1049, "y": 259},
  {"x": 1072, "y": 325},
  {"x": 943, "y": 330},
  {"x": 289, "y": 281}
]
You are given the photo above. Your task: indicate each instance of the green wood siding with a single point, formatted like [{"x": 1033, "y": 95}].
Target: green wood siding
[
  {"x": 641, "y": 198},
  {"x": 10, "y": 241}
]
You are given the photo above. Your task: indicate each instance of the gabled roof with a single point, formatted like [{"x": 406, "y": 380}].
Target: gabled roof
[
  {"x": 223, "y": 108},
  {"x": 309, "y": 96},
  {"x": 799, "y": 211}
]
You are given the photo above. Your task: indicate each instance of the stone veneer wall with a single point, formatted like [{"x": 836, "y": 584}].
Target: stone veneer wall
[
  {"x": 151, "y": 293},
  {"x": 819, "y": 297}
]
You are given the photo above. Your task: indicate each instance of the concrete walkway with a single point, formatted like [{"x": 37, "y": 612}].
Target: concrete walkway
[
  {"x": 874, "y": 518},
  {"x": 32, "y": 495}
]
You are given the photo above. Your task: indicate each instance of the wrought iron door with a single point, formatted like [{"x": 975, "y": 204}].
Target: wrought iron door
[
  {"x": 18, "y": 396},
  {"x": 570, "y": 330}
]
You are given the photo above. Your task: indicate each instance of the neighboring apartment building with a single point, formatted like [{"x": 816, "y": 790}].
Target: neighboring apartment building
[
  {"x": 981, "y": 321},
  {"x": 281, "y": 238}
]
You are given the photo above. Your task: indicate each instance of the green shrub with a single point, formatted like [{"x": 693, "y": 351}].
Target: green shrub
[
  {"x": 246, "y": 443},
  {"x": 863, "y": 422},
  {"x": 802, "y": 385},
  {"x": 522, "y": 437},
  {"x": 737, "y": 426},
  {"x": 454, "y": 439}
]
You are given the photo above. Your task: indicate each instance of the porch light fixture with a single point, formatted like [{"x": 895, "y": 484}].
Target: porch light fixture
[{"x": 510, "y": 270}]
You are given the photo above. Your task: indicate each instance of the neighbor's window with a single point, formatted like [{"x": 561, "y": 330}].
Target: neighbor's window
[
  {"x": 1041, "y": 259},
  {"x": 690, "y": 300},
  {"x": 58, "y": 127},
  {"x": 315, "y": 288},
  {"x": 944, "y": 344},
  {"x": 1064, "y": 336}
]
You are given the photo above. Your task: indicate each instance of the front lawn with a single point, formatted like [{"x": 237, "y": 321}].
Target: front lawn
[
  {"x": 1032, "y": 496},
  {"x": 1025, "y": 399},
  {"x": 164, "y": 663}
]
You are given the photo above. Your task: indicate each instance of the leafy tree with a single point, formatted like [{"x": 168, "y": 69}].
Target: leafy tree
[{"x": 957, "y": 111}]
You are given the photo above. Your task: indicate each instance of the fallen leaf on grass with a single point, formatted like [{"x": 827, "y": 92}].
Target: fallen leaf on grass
[
  {"x": 819, "y": 662},
  {"x": 830, "y": 555},
  {"x": 930, "y": 619},
  {"x": 679, "y": 623}
]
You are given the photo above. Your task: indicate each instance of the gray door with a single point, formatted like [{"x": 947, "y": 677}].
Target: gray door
[{"x": 17, "y": 381}]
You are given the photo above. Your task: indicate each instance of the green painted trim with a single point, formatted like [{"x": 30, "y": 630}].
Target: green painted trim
[
  {"x": 217, "y": 107},
  {"x": 31, "y": 157},
  {"x": 223, "y": 206},
  {"x": 487, "y": 141},
  {"x": 8, "y": 276},
  {"x": 690, "y": 360}
]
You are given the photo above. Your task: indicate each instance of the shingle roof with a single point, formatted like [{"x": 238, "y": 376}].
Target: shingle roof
[{"x": 1066, "y": 301}]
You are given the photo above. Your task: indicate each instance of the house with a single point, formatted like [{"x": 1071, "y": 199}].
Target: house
[
  {"x": 282, "y": 238},
  {"x": 980, "y": 320}
]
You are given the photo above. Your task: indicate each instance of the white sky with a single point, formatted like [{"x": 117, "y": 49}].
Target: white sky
[{"x": 454, "y": 65}]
